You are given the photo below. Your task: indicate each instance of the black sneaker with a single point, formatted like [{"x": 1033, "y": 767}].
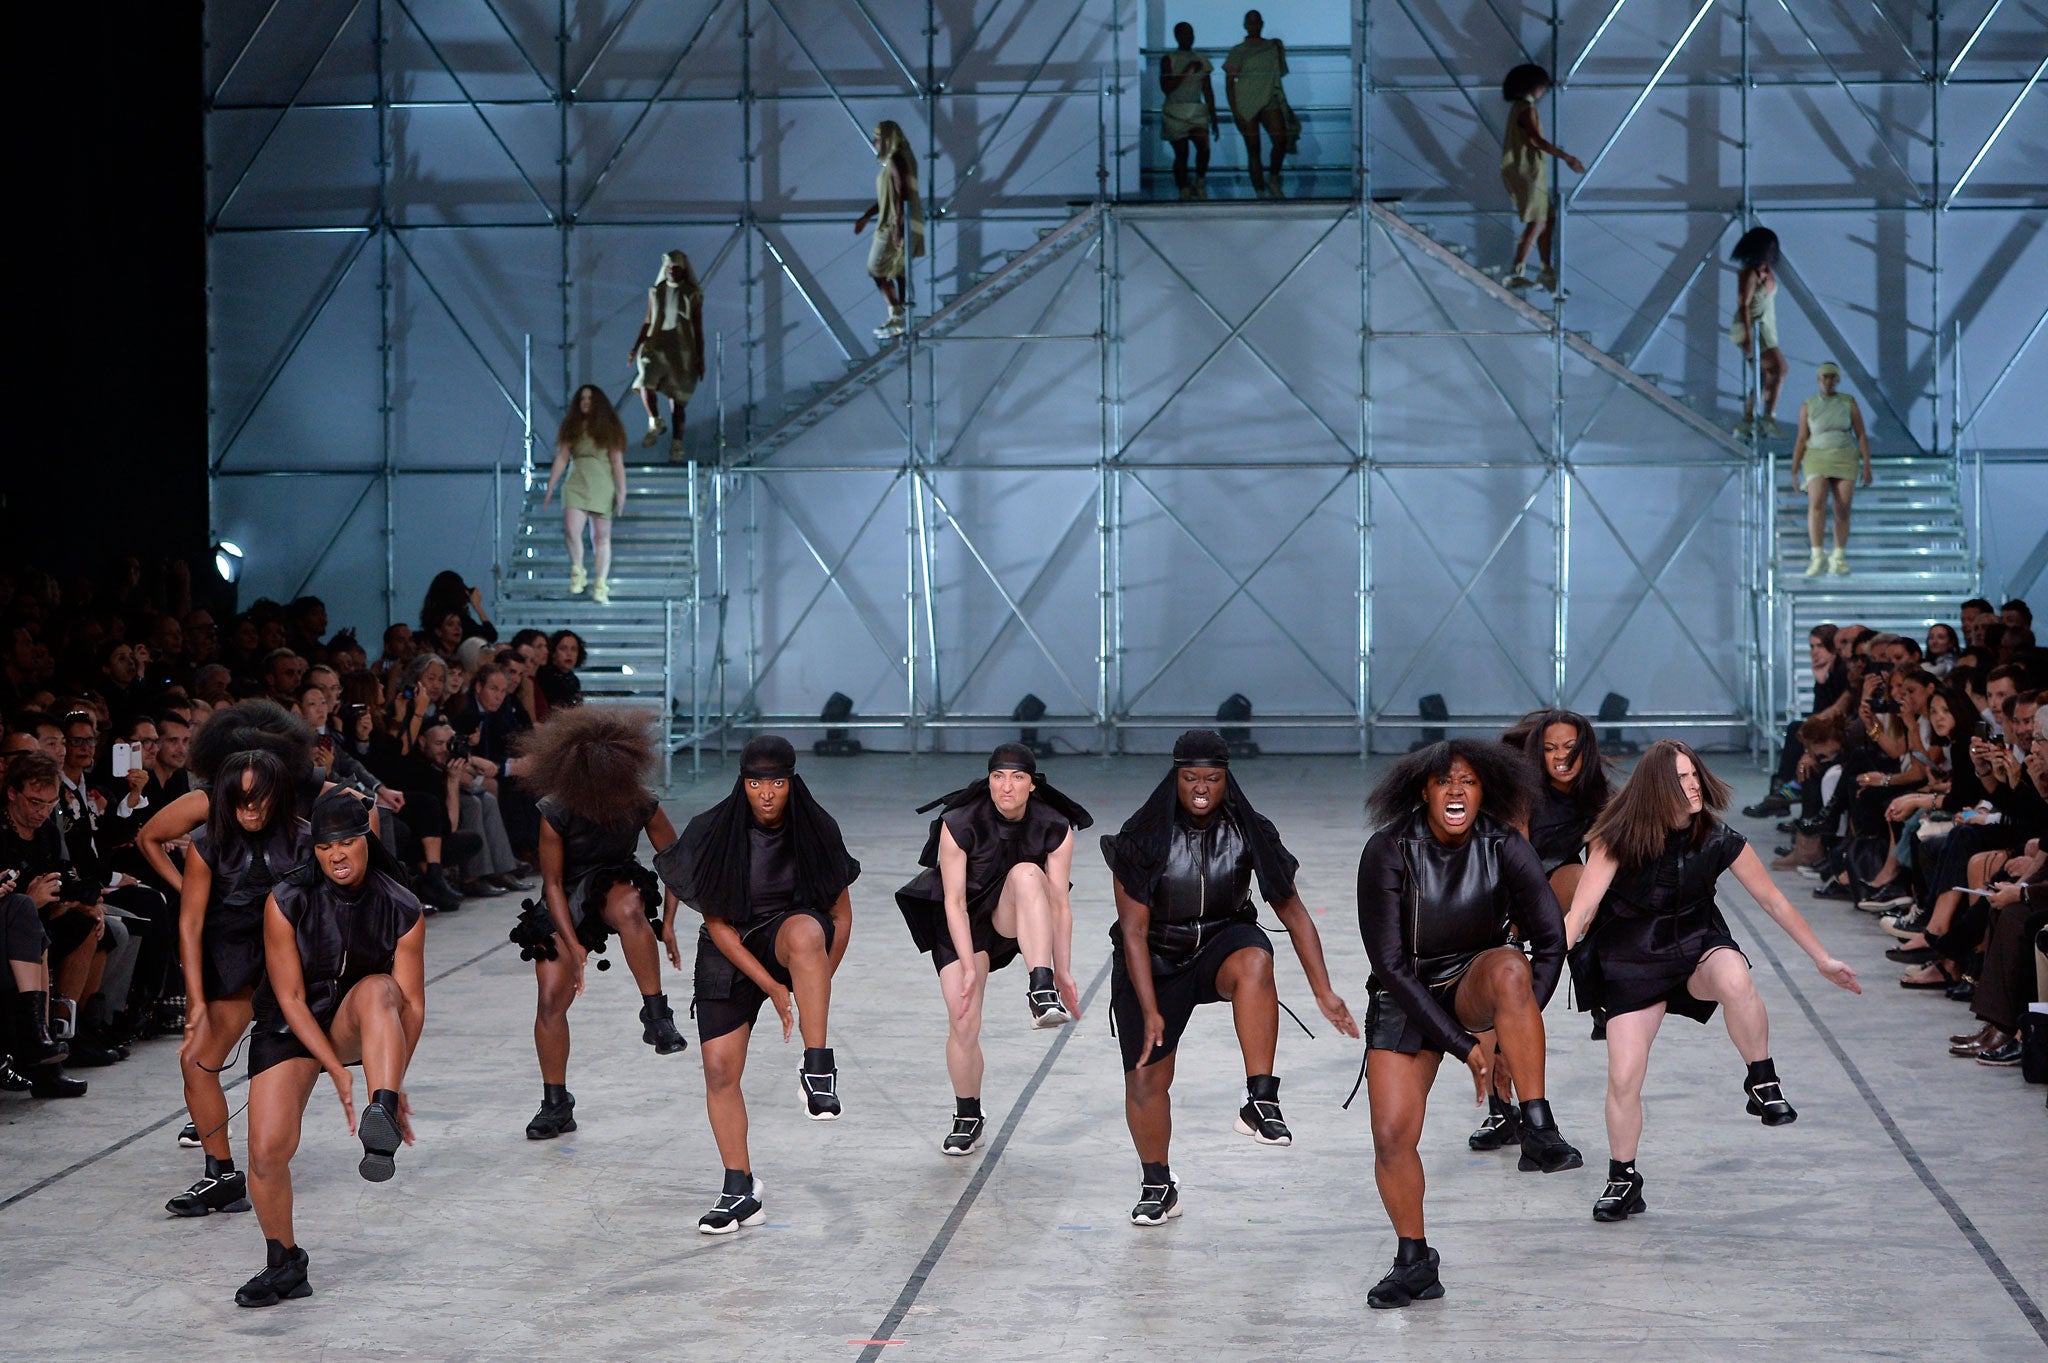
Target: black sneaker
[
  {"x": 821, "y": 1095},
  {"x": 1260, "y": 1116},
  {"x": 227, "y": 1192},
  {"x": 281, "y": 1281},
  {"x": 1767, "y": 1100},
  {"x": 966, "y": 1134},
  {"x": 1405, "y": 1283},
  {"x": 1046, "y": 1008},
  {"x": 1544, "y": 1148},
  {"x": 732, "y": 1211},
  {"x": 378, "y": 1131},
  {"x": 1622, "y": 1199},
  {"x": 12, "y": 1080},
  {"x": 658, "y": 1027},
  {"x": 188, "y": 1136},
  {"x": 1157, "y": 1203},
  {"x": 1501, "y": 1127},
  {"x": 552, "y": 1120}
]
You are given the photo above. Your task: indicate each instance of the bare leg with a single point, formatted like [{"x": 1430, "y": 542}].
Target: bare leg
[
  {"x": 800, "y": 947},
  {"x": 1246, "y": 980},
  {"x": 277, "y": 1111},
  {"x": 1628, "y": 1060},
  {"x": 1816, "y": 512},
  {"x": 1024, "y": 912},
  {"x": 1201, "y": 141},
  {"x": 74, "y": 972},
  {"x": 370, "y": 1026},
  {"x": 573, "y": 519},
  {"x": 725, "y": 1060},
  {"x": 1397, "y": 1091},
  {"x": 1525, "y": 243},
  {"x": 1845, "y": 493},
  {"x": 963, "y": 1033},
  {"x": 1545, "y": 230},
  {"x": 1148, "y": 1108},
  {"x": 1498, "y": 993},
  {"x": 1276, "y": 129},
  {"x": 1254, "y": 158},
  {"x": 623, "y": 911},
  {"x": 557, "y": 990},
  {"x": 601, "y": 545},
  {"x": 1773, "y": 376},
  {"x": 226, "y": 1020},
  {"x": 1723, "y": 977}
]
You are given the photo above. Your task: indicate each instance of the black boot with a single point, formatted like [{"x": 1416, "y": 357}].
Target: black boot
[
  {"x": 282, "y": 1279},
  {"x": 50, "y": 1081},
  {"x": 1502, "y": 1127},
  {"x": 33, "y": 1044},
  {"x": 378, "y": 1130},
  {"x": 557, "y": 1113},
  {"x": 1623, "y": 1196},
  {"x": 12, "y": 1080},
  {"x": 1260, "y": 1116},
  {"x": 224, "y": 1189},
  {"x": 658, "y": 1025},
  {"x": 1412, "y": 1278},
  {"x": 820, "y": 1079},
  {"x": 1766, "y": 1098},
  {"x": 1543, "y": 1145},
  {"x": 438, "y": 890}
]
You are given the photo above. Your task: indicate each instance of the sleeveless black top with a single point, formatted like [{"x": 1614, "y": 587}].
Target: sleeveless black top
[
  {"x": 995, "y": 845},
  {"x": 1205, "y": 883},
  {"x": 1558, "y": 825},
  {"x": 245, "y": 871},
  {"x": 588, "y": 845},
  {"x": 1680, "y": 882},
  {"x": 343, "y": 937}
]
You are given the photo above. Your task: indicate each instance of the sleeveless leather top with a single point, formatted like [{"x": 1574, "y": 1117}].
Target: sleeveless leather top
[
  {"x": 1558, "y": 824},
  {"x": 588, "y": 844},
  {"x": 1208, "y": 874},
  {"x": 1456, "y": 904},
  {"x": 343, "y": 937},
  {"x": 1680, "y": 881},
  {"x": 994, "y": 844},
  {"x": 246, "y": 870}
]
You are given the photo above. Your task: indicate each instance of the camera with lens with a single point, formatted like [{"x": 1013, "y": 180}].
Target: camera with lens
[
  {"x": 458, "y": 747},
  {"x": 349, "y": 715}
]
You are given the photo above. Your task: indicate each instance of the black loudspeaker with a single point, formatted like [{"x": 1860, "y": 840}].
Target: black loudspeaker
[
  {"x": 1231, "y": 717},
  {"x": 1612, "y": 708},
  {"x": 1431, "y": 707},
  {"x": 1028, "y": 712},
  {"x": 837, "y": 742}
]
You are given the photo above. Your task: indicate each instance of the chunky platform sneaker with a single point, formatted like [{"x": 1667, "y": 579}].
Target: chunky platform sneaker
[
  {"x": 658, "y": 1026},
  {"x": 1623, "y": 1196},
  {"x": 553, "y": 1119},
  {"x": 1502, "y": 1126},
  {"x": 1766, "y": 1097},
  {"x": 1407, "y": 1283},
  {"x": 283, "y": 1279},
  {"x": 965, "y": 1135},
  {"x": 1158, "y": 1203},
  {"x": 1260, "y": 1116},
  {"x": 378, "y": 1130},
  {"x": 228, "y": 1192},
  {"x": 188, "y": 1136},
  {"x": 1544, "y": 1147},
  {"x": 820, "y": 1079},
  {"x": 734, "y": 1210},
  {"x": 1044, "y": 998}
]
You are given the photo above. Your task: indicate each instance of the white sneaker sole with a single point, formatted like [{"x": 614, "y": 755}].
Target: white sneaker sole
[
  {"x": 1172, "y": 1212},
  {"x": 729, "y": 1227},
  {"x": 962, "y": 1154},
  {"x": 1050, "y": 1018},
  {"x": 821, "y": 1116},
  {"x": 1246, "y": 1128}
]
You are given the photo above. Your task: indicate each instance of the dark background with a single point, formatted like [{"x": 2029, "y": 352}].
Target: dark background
[{"x": 111, "y": 296}]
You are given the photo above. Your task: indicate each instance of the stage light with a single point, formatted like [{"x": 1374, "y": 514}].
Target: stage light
[
  {"x": 1028, "y": 712},
  {"x": 1615, "y": 707},
  {"x": 1431, "y": 707},
  {"x": 836, "y": 742},
  {"x": 227, "y": 561},
  {"x": 1234, "y": 712}
]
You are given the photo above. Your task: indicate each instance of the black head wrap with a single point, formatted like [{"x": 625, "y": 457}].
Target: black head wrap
[
  {"x": 1137, "y": 854},
  {"x": 707, "y": 866},
  {"x": 339, "y": 815},
  {"x": 1009, "y": 757}
]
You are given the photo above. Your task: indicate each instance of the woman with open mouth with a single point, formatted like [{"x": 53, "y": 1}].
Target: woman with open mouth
[
  {"x": 1440, "y": 887},
  {"x": 1654, "y": 942},
  {"x": 994, "y": 887}
]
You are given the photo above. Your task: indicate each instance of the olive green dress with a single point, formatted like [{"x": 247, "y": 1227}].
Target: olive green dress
[
  {"x": 1524, "y": 169},
  {"x": 589, "y": 486},
  {"x": 1831, "y": 450}
]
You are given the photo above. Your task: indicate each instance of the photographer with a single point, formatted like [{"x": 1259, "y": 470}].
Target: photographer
[
  {"x": 491, "y": 719},
  {"x": 490, "y": 869},
  {"x": 31, "y": 852}
]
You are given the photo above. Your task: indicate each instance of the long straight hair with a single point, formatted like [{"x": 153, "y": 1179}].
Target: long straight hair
[
  {"x": 271, "y": 791},
  {"x": 1645, "y": 811}
]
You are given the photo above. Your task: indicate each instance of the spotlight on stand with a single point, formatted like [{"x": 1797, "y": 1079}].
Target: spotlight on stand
[
  {"x": 1028, "y": 712},
  {"x": 227, "y": 561},
  {"x": 1235, "y": 712},
  {"x": 1431, "y": 707},
  {"x": 837, "y": 742},
  {"x": 1614, "y": 708}
]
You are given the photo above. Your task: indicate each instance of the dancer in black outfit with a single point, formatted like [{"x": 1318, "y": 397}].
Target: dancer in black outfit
[
  {"x": 253, "y": 765},
  {"x": 1187, "y": 934},
  {"x": 1439, "y": 887},
  {"x": 345, "y": 943},
  {"x": 589, "y": 767},
  {"x": 1571, "y": 792},
  {"x": 767, "y": 868},
  {"x": 995, "y": 886},
  {"x": 1650, "y": 940}
]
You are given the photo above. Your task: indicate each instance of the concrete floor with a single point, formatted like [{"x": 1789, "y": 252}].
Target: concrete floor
[{"x": 1818, "y": 1241}]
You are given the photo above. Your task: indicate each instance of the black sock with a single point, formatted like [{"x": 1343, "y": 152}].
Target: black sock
[
  {"x": 1155, "y": 1173},
  {"x": 1763, "y": 1071},
  {"x": 739, "y": 1182},
  {"x": 967, "y": 1107},
  {"x": 216, "y": 1167},
  {"x": 386, "y": 1099},
  {"x": 818, "y": 1060},
  {"x": 1621, "y": 1170},
  {"x": 654, "y": 1003},
  {"x": 1041, "y": 977},
  {"x": 1411, "y": 1251},
  {"x": 554, "y": 1095}
]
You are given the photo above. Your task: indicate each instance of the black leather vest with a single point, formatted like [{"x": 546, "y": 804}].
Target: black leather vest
[
  {"x": 1208, "y": 873},
  {"x": 344, "y": 939},
  {"x": 1454, "y": 906},
  {"x": 588, "y": 844},
  {"x": 1678, "y": 883}
]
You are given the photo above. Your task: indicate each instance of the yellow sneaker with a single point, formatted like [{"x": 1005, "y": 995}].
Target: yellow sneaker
[
  {"x": 1817, "y": 564},
  {"x": 578, "y": 579},
  {"x": 601, "y": 592},
  {"x": 1838, "y": 563}
]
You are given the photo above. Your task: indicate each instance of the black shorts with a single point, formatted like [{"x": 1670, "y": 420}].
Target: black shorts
[
  {"x": 1389, "y": 1028},
  {"x": 272, "y": 1042},
  {"x": 742, "y": 1004},
  {"x": 1177, "y": 994}
]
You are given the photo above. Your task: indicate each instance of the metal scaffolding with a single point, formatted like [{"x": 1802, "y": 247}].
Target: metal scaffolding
[{"x": 927, "y": 459}]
